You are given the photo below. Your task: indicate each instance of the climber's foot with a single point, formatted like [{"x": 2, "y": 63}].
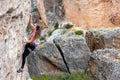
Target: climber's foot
[{"x": 20, "y": 70}]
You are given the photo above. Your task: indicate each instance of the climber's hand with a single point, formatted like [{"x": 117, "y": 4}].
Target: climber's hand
[{"x": 30, "y": 15}]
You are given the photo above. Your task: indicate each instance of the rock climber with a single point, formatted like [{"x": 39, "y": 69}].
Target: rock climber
[{"x": 31, "y": 43}]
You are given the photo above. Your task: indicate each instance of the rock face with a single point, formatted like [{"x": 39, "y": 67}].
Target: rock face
[
  {"x": 69, "y": 54},
  {"x": 75, "y": 52},
  {"x": 57, "y": 34},
  {"x": 51, "y": 11},
  {"x": 86, "y": 14},
  {"x": 14, "y": 18},
  {"x": 95, "y": 40},
  {"x": 47, "y": 60},
  {"x": 103, "y": 39},
  {"x": 93, "y": 13},
  {"x": 105, "y": 65}
]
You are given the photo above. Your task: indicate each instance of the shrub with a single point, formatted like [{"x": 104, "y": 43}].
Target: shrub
[
  {"x": 97, "y": 39},
  {"x": 44, "y": 77},
  {"x": 56, "y": 26},
  {"x": 68, "y": 26},
  {"x": 78, "y": 32},
  {"x": 73, "y": 76}
]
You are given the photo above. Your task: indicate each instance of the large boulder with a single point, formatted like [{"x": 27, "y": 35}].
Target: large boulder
[
  {"x": 46, "y": 60},
  {"x": 56, "y": 34},
  {"x": 14, "y": 18},
  {"x": 67, "y": 54},
  {"x": 103, "y": 39},
  {"x": 75, "y": 52},
  {"x": 104, "y": 64}
]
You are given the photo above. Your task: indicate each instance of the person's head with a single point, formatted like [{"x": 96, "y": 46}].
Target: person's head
[
  {"x": 37, "y": 27},
  {"x": 37, "y": 30}
]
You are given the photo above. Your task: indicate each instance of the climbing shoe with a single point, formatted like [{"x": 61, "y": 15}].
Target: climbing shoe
[{"x": 20, "y": 70}]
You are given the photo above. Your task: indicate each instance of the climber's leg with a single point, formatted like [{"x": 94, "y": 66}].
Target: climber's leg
[{"x": 26, "y": 52}]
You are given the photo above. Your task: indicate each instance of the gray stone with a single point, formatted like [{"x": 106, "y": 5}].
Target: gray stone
[
  {"x": 75, "y": 52},
  {"x": 32, "y": 63},
  {"x": 14, "y": 18},
  {"x": 57, "y": 34},
  {"x": 105, "y": 64},
  {"x": 47, "y": 60},
  {"x": 68, "y": 34},
  {"x": 103, "y": 39}
]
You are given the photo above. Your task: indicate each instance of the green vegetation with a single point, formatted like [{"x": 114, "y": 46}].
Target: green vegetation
[
  {"x": 97, "y": 39},
  {"x": 78, "y": 32},
  {"x": 50, "y": 32},
  {"x": 68, "y": 26},
  {"x": 43, "y": 77},
  {"x": 73, "y": 76},
  {"x": 56, "y": 26}
]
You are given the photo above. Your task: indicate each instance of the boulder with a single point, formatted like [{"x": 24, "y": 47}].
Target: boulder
[
  {"x": 101, "y": 39},
  {"x": 95, "y": 40},
  {"x": 57, "y": 34},
  {"x": 46, "y": 60},
  {"x": 104, "y": 64},
  {"x": 14, "y": 18},
  {"x": 75, "y": 52}
]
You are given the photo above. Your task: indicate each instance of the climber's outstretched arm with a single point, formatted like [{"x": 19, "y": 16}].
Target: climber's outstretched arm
[{"x": 31, "y": 23}]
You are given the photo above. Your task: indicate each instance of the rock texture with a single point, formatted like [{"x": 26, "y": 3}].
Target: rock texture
[
  {"x": 86, "y": 14},
  {"x": 14, "y": 18},
  {"x": 93, "y": 13},
  {"x": 47, "y": 60},
  {"x": 105, "y": 64},
  {"x": 69, "y": 54},
  {"x": 103, "y": 39},
  {"x": 75, "y": 52},
  {"x": 51, "y": 11},
  {"x": 57, "y": 34}
]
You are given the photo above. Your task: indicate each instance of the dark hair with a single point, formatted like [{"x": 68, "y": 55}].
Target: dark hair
[
  {"x": 37, "y": 27},
  {"x": 37, "y": 34}
]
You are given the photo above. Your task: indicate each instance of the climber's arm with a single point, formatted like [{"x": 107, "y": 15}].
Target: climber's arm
[{"x": 31, "y": 23}]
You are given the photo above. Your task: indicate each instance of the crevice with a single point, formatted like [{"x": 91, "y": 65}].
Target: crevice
[{"x": 61, "y": 52}]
